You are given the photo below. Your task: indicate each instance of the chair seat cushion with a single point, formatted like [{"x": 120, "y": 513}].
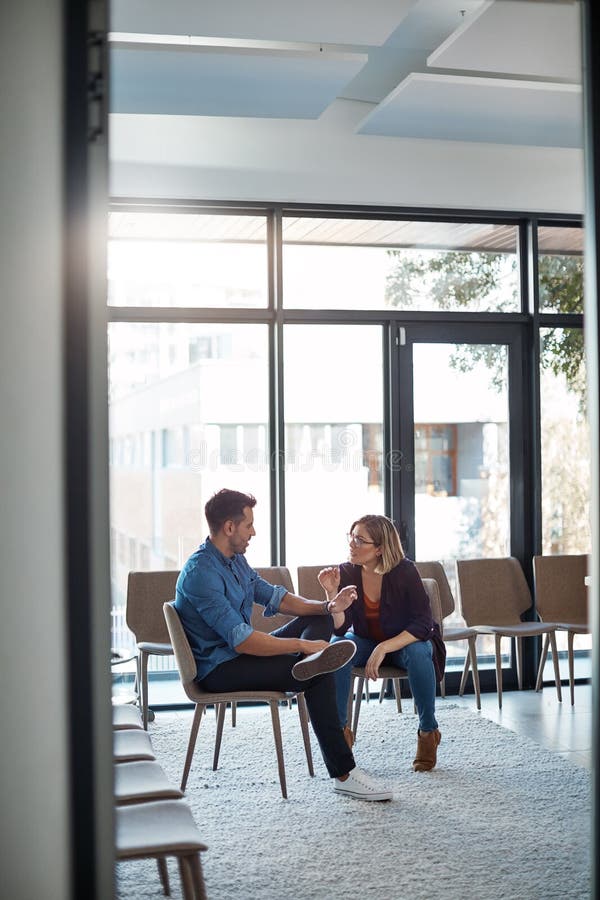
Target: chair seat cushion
[
  {"x": 384, "y": 672},
  {"x": 136, "y": 782},
  {"x": 131, "y": 744},
  {"x": 575, "y": 627},
  {"x": 156, "y": 829},
  {"x": 126, "y": 716},
  {"x": 524, "y": 629},
  {"x": 458, "y": 633},
  {"x": 155, "y": 649}
]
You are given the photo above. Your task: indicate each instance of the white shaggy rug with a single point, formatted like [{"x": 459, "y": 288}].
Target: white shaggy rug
[{"x": 499, "y": 816}]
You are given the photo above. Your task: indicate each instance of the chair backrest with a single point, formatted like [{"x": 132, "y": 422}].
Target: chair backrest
[
  {"x": 146, "y": 593},
  {"x": 433, "y": 592},
  {"x": 277, "y": 575},
  {"x": 436, "y": 571},
  {"x": 560, "y": 591},
  {"x": 186, "y": 664},
  {"x": 308, "y": 583},
  {"x": 274, "y": 575},
  {"x": 492, "y": 591}
]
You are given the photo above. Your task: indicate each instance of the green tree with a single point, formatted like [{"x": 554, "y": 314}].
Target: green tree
[{"x": 458, "y": 280}]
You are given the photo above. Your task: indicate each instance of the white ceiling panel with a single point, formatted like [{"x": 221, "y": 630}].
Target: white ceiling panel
[
  {"x": 535, "y": 39},
  {"x": 333, "y": 21},
  {"x": 468, "y": 108},
  {"x": 227, "y": 81}
]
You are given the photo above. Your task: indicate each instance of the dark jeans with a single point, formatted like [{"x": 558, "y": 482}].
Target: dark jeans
[{"x": 274, "y": 673}]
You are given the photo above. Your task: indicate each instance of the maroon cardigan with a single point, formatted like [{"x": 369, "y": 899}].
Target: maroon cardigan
[{"x": 404, "y": 606}]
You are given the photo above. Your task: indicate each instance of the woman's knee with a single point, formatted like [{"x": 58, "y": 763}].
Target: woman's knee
[{"x": 419, "y": 652}]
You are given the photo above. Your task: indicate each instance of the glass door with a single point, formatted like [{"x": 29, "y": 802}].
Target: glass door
[{"x": 458, "y": 439}]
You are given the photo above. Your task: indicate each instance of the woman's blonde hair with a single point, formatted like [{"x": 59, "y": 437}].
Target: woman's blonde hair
[{"x": 383, "y": 532}]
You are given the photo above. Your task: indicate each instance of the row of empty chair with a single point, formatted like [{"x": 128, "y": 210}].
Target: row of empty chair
[
  {"x": 494, "y": 596},
  {"x": 152, "y": 821}
]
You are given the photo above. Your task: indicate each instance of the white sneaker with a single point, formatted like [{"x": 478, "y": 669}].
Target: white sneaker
[{"x": 362, "y": 787}]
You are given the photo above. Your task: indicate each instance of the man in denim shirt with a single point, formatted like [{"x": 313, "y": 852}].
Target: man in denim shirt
[{"x": 215, "y": 593}]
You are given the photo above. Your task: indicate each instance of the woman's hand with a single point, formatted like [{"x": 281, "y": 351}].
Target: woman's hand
[
  {"x": 374, "y": 661},
  {"x": 329, "y": 579}
]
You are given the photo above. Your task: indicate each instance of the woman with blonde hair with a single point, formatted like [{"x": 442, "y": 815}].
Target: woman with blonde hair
[{"x": 389, "y": 621}]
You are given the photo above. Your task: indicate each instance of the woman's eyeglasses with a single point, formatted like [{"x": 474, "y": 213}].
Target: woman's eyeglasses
[{"x": 357, "y": 540}]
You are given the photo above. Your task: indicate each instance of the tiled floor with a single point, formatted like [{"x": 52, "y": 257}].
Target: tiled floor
[{"x": 557, "y": 726}]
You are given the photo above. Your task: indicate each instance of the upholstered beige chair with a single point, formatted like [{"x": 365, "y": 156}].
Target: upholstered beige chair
[
  {"x": 308, "y": 583},
  {"x": 436, "y": 571},
  {"x": 494, "y": 595},
  {"x": 561, "y": 598},
  {"x": 394, "y": 673},
  {"x": 158, "y": 830},
  {"x": 146, "y": 593},
  {"x": 186, "y": 665}
]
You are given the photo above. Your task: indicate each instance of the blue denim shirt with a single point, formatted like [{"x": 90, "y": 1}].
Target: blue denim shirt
[{"x": 214, "y": 597}]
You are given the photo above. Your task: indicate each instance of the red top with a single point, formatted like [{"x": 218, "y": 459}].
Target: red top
[{"x": 373, "y": 624}]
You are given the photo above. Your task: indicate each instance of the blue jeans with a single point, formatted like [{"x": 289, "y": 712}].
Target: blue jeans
[{"x": 416, "y": 658}]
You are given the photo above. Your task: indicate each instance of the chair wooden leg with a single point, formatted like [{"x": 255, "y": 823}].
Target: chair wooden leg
[
  {"x": 187, "y": 878},
  {"x": 350, "y": 705},
  {"x": 219, "y": 735},
  {"x": 303, "y": 713},
  {"x": 464, "y": 676},
  {"x": 443, "y": 688},
  {"x": 498, "y": 671},
  {"x": 144, "y": 687},
  {"x": 196, "y": 866},
  {"x": 540, "y": 673},
  {"x": 519, "y": 655},
  {"x": 357, "y": 701},
  {"x": 163, "y": 872},
  {"x": 570, "y": 640},
  {"x": 233, "y": 713},
  {"x": 474, "y": 669},
  {"x": 384, "y": 683},
  {"x": 278, "y": 745},
  {"x": 398, "y": 693},
  {"x": 191, "y": 744},
  {"x": 552, "y": 636}
]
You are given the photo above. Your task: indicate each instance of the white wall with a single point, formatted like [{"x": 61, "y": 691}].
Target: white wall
[
  {"x": 325, "y": 161},
  {"x": 34, "y": 844}
]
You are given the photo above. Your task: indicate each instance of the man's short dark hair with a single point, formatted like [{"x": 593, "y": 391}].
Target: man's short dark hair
[{"x": 225, "y": 506}]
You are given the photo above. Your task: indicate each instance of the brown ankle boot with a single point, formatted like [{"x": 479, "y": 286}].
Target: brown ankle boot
[
  {"x": 427, "y": 744},
  {"x": 349, "y": 736}
]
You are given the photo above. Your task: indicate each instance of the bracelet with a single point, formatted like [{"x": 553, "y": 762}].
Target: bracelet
[{"x": 326, "y": 607}]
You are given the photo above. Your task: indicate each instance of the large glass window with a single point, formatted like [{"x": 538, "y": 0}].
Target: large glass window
[
  {"x": 186, "y": 430},
  {"x": 185, "y": 260},
  {"x": 565, "y": 442},
  {"x": 565, "y": 459},
  {"x": 191, "y": 392},
  {"x": 560, "y": 264},
  {"x": 373, "y": 264},
  {"x": 334, "y": 444}
]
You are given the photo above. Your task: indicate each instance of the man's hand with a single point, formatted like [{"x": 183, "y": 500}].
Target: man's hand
[
  {"x": 343, "y": 600},
  {"x": 329, "y": 579},
  {"x": 373, "y": 662},
  {"x": 308, "y": 647}
]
